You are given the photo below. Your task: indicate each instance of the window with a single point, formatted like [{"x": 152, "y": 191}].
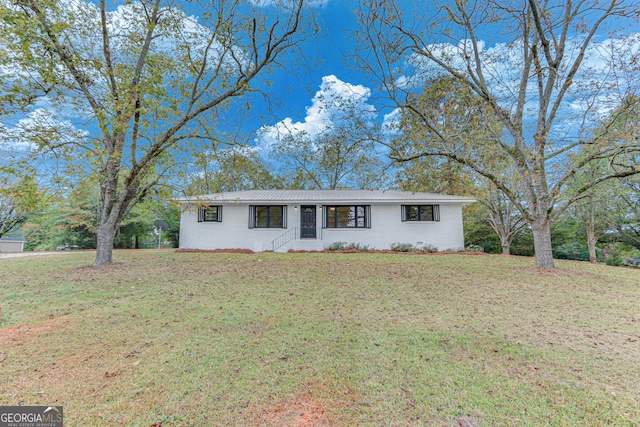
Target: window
[
  {"x": 347, "y": 217},
  {"x": 420, "y": 212},
  {"x": 267, "y": 217},
  {"x": 210, "y": 214}
]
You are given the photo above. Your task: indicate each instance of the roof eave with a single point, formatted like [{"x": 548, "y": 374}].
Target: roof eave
[{"x": 198, "y": 199}]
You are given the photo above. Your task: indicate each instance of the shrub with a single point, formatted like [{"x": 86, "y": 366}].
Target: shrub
[
  {"x": 340, "y": 246},
  {"x": 571, "y": 251},
  {"x": 358, "y": 247},
  {"x": 336, "y": 246},
  {"x": 429, "y": 249},
  {"x": 614, "y": 258},
  {"x": 474, "y": 248},
  {"x": 402, "y": 247}
]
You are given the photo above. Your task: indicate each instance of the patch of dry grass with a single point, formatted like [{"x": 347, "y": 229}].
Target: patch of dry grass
[{"x": 188, "y": 339}]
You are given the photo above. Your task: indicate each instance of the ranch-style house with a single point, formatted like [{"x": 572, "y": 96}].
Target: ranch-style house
[{"x": 280, "y": 220}]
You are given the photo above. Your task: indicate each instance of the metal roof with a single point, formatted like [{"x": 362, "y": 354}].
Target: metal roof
[
  {"x": 340, "y": 196},
  {"x": 14, "y": 235}
]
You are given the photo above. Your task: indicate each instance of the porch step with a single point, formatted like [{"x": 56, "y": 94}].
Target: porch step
[{"x": 302, "y": 245}]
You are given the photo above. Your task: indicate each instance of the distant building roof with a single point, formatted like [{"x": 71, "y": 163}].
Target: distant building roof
[
  {"x": 261, "y": 196},
  {"x": 14, "y": 235}
]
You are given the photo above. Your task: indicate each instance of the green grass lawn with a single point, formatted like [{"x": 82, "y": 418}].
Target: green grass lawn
[{"x": 204, "y": 339}]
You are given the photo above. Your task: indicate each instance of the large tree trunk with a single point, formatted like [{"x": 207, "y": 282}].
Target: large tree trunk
[
  {"x": 591, "y": 243},
  {"x": 104, "y": 246},
  {"x": 542, "y": 243},
  {"x": 591, "y": 233},
  {"x": 506, "y": 248}
]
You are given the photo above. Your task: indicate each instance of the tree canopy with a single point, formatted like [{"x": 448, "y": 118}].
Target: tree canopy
[
  {"x": 553, "y": 64},
  {"x": 143, "y": 76}
]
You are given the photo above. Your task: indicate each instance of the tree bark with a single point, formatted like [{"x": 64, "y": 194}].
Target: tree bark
[
  {"x": 591, "y": 233},
  {"x": 542, "y": 243},
  {"x": 506, "y": 248},
  {"x": 104, "y": 247},
  {"x": 591, "y": 243}
]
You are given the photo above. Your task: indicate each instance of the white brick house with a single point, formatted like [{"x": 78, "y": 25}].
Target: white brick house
[{"x": 280, "y": 220}]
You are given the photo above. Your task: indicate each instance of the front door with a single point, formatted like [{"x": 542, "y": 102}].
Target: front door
[{"x": 308, "y": 222}]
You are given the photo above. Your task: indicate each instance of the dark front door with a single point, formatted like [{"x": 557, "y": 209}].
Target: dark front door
[{"x": 308, "y": 222}]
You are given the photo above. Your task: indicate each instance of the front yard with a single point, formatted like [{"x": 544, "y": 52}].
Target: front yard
[{"x": 202, "y": 339}]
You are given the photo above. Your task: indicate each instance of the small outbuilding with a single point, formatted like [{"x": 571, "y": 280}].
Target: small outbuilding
[
  {"x": 13, "y": 241},
  {"x": 280, "y": 220}
]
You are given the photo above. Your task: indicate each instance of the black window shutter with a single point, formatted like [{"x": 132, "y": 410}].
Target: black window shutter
[
  {"x": 436, "y": 212},
  {"x": 284, "y": 216},
  {"x": 325, "y": 216},
  {"x": 252, "y": 216},
  {"x": 367, "y": 216}
]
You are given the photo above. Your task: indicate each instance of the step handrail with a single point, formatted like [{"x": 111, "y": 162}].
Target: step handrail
[{"x": 284, "y": 238}]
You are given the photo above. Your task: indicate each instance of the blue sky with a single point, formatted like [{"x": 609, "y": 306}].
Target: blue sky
[
  {"x": 325, "y": 54},
  {"x": 597, "y": 88},
  {"x": 328, "y": 66},
  {"x": 330, "y": 48},
  {"x": 329, "y": 54}
]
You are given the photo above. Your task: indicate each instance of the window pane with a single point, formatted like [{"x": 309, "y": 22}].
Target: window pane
[
  {"x": 331, "y": 217},
  {"x": 419, "y": 213},
  {"x": 426, "y": 213},
  {"x": 412, "y": 213},
  {"x": 360, "y": 216},
  {"x": 262, "y": 216},
  {"x": 275, "y": 216},
  {"x": 268, "y": 217},
  {"x": 345, "y": 216},
  {"x": 342, "y": 216},
  {"x": 211, "y": 213}
]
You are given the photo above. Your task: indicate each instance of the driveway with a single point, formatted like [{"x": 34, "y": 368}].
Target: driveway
[{"x": 23, "y": 254}]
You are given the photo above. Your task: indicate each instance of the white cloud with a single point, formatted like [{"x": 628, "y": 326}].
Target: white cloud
[
  {"x": 327, "y": 109},
  {"x": 391, "y": 122},
  {"x": 39, "y": 127},
  {"x": 608, "y": 72},
  {"x": 181, "y": 39}
]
